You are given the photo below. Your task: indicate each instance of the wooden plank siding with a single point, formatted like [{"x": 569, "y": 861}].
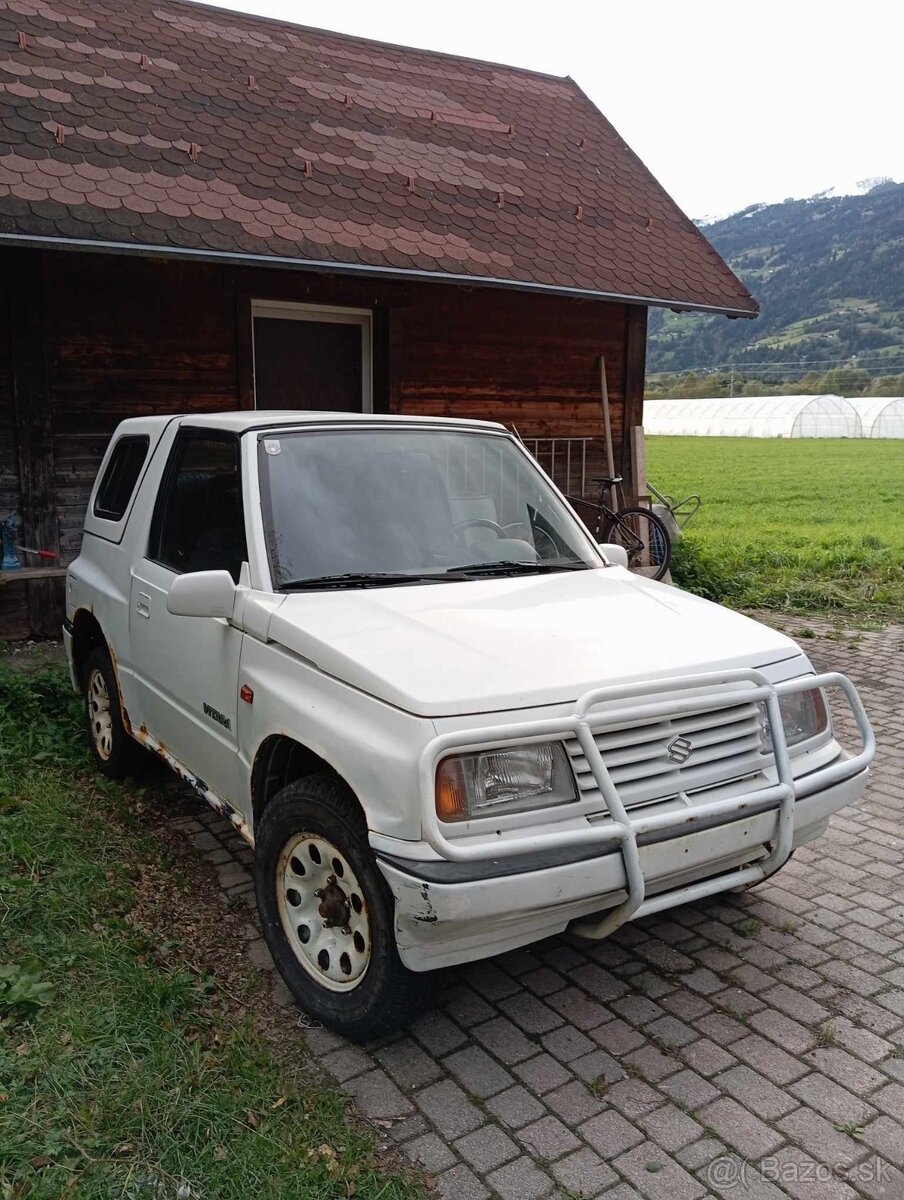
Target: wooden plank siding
[
  {"x": 32, "y": 409},
  {"x": 527, "y": 360},
  {"x": 14, "y": 618},
  {"x": 128, "y": 336}
]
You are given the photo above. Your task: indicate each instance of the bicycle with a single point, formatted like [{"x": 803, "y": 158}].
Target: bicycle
[{"x": 644, "y": 535}]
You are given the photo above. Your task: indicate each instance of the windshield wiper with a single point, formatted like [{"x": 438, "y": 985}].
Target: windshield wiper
[
  {"x": 511, "y": 566},
  {"x": 362, "y": 579},
  {"x": 353, "y": 579}
]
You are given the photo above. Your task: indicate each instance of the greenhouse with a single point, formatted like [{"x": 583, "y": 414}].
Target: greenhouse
[
  {"x": 755, "y": 417},
  {"x": 882, "y": 416}
]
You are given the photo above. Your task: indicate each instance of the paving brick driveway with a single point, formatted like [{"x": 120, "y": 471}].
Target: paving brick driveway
[{"x": 748, "y": 1047}]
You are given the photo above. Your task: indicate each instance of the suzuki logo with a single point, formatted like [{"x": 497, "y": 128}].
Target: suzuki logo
[{"x": 679, "y": 750}]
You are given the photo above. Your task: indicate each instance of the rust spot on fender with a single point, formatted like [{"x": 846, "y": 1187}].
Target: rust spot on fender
[{"x": 122, "y": 708}]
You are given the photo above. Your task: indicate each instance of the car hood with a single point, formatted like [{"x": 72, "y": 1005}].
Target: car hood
[{"x": 495, "y": 644}]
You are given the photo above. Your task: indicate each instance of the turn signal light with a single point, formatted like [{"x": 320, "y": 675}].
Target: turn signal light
[{"x": 451, "y": 794}]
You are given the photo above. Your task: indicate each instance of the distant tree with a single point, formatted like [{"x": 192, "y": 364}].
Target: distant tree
[
  {"x": 888, "y": 385},
  {"x": 756, "y": 387},
  {"x": 845, "y": 381}
]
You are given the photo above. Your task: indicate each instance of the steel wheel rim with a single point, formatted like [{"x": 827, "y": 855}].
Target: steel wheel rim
[
  {"x": 329, "y": 936},
  {"x": 99, "y": 714}
]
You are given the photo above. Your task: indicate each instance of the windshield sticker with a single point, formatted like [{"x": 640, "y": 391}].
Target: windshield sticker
[{"x": 272, "y": 446}]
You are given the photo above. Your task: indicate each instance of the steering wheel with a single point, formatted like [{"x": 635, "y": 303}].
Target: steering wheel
[{"x": 482, "y": 523}]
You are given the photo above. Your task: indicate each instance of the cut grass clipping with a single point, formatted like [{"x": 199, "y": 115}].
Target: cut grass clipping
[
  {"x": 806, "y": 525},
  {"x": 121, "y": 1075}
]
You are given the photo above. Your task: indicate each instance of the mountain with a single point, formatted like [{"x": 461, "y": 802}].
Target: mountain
[{"x": 829, "y": 275}]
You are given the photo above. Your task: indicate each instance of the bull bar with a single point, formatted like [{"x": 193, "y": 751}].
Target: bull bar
[{"x": 707, "y": 691}]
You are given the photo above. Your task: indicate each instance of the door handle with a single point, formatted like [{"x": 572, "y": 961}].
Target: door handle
[{"x": 143, "y": 605}]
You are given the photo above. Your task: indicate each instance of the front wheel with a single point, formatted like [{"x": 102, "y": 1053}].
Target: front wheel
[
  {"x": 327, "y": 913},
  {"x": 645, "y": 538}
]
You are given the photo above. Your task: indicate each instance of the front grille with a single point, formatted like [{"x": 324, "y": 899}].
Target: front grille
[{"x": 725, "y": 745}]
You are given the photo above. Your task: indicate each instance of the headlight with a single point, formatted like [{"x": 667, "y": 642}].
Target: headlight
[
  {"x": 804, "y": 715},
  {"x": 501, "y": 781}
]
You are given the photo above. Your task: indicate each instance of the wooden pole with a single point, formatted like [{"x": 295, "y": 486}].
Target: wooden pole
[{"x": 635, "y": 363}]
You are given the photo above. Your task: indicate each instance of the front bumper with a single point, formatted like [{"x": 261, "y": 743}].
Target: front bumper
[{"x": 472, "y": 902}]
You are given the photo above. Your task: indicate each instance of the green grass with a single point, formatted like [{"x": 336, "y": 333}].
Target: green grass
[
  {"x": 123, "y": 1071},
  {"x": 804, "y": 525}
]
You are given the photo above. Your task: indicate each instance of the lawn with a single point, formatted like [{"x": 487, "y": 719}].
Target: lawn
[
  {"x": 129, "y": 1067},
  {"x": 806, "y": 525}
]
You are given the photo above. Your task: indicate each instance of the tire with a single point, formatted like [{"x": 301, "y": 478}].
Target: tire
[
  {"x": 631, "y": 525},
  {"x": 312, "y": 859},
  {"x": 115, "y": 752}
]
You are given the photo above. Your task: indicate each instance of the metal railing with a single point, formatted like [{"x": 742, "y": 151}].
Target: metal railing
[
  {"x": 564, "y": 460},
  {"x": 639, "y": 702}
]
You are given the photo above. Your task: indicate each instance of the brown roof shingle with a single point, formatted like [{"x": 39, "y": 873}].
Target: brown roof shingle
[{"x": 168, "y": 124}]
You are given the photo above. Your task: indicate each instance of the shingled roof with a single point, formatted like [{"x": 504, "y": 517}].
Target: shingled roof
[{"x": 173, "y": 125}]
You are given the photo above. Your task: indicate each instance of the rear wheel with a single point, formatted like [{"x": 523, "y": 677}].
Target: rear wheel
[
  {"x": 327, "y": 913},
  {"x": 115, "y": 752},
  {"x": 645, "y": 539}
]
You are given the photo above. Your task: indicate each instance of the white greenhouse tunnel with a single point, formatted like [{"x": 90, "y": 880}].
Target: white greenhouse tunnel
[
  {"x": 776, "y": 417},
  {"x": 882, "y": 416}
]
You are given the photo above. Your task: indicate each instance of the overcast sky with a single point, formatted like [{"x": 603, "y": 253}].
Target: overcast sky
[{"x": 726, "y": 103}]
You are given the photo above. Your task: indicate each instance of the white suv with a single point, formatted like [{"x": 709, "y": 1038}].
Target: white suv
[{"x": 449, "y": 722}]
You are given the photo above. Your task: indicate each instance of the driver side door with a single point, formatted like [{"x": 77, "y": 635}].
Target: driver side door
[{"x": 186, "y": 668}]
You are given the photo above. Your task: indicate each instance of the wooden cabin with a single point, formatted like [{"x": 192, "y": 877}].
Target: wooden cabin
[{"x": 202, "y": 210}]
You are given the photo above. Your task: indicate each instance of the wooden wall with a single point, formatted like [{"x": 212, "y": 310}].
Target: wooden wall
[
  {"x": 523, "y": 359},
  {"x": 125, "y": 336},
  {"x": 126, "y": 339},
  {"x": 14, "y": 622}
]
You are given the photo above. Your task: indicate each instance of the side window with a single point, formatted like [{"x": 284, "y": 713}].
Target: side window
[
  {"x": 120, "y": 477},
  {"x": 198, "y": 523}
]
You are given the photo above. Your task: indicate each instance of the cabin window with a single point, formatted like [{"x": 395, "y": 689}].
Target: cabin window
[
  {"x": 120, "y": 477},
  {"x": 199, "y": 523},
  {"x": 311, "y": 357}
]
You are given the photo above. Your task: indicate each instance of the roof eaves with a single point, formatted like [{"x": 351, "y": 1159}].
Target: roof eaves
[{"x": 148, "y": 250}]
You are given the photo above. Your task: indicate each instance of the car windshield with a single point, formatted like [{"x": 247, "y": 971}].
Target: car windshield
[{"x": 373, "y": 507}]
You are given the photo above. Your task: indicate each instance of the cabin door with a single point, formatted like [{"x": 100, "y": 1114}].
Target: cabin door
[{"x": 310, "y": 357}]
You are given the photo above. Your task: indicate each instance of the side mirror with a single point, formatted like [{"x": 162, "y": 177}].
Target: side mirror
[
  {"x": 616, "y": 554},
  {"x": 202, "y": 594}
]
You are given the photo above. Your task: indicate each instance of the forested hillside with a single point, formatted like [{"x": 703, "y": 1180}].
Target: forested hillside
[{"x": 829, "y": 275}]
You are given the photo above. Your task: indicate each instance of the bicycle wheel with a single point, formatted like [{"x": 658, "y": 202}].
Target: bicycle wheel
[{"x": 645, "y": 538}]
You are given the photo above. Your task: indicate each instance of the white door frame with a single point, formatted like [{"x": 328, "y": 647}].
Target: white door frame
[{"x": 287, "y": 311}]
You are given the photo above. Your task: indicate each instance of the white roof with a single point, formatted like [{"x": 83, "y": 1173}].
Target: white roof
[{"x": 241, "y": 421}]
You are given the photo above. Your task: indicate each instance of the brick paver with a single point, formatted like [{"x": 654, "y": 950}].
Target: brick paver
[{"x": 747, "y": 1046}]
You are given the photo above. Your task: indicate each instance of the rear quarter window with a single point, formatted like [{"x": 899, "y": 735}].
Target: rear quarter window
[{"x": 119, "y": 479}]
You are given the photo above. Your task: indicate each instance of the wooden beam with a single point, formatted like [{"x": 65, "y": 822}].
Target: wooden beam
[
  {"x": 34, "y": 429},
  {"x": 379, "y": 359},
  {"x": 244, "y": 351},
  {"x": 28, "y": 574},
  {"x": 635, "y": 371},
  {"x": 395, "y": 366},
  {"x": 639, "y": 465}
]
